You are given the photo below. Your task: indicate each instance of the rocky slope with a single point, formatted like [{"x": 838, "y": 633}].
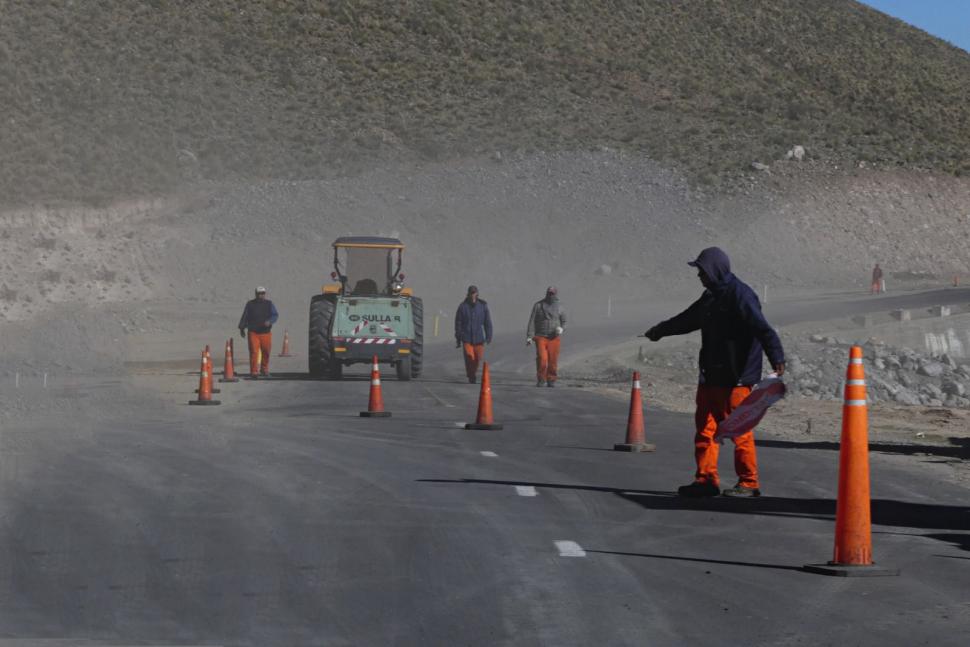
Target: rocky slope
[{"x": 107, "y": 100}]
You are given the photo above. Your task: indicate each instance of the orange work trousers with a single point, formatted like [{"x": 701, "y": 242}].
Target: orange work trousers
[
  {"x": 547, "y": 358},
  {"x": 714, "y": 404},
  {"x": 259, "y": 342},
  {"x": 474, "y": 353}
]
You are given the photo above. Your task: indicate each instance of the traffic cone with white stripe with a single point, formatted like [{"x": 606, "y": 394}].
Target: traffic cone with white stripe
[
  {"x": 228, "y": 370},
  {"x": 635, "y": 441},
  {"x": 853, "y": 523},
  {"x": 286, "y": 345},
  {"x": 375, "y": 404},
  {"x": 208, "y": 355},
  {"x": 485, "y": 419},
  {"x": 205, "y": 382}
]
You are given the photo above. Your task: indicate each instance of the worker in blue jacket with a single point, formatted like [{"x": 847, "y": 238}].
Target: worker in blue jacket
[
  {"x": 473, "y": 329},
  {"x": 256, "y": 323},
  {"x": 734, "y": 334}
]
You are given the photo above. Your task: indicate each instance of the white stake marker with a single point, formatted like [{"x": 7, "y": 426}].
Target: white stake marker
[
  {"x": 489, "y": 454},
  {"x": 525, "y": 490},
  {"x": 569, "y": 549}
]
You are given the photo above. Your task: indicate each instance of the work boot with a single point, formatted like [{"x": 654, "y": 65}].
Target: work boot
[
  {"x": 550, "y": 384},
  {"x": 471, "y": 380},
  {"x": 266, "y": 375},
  {"x": 697, "y": 490},
  {"x": 742, "y": 491},
  {"x": 539, "y": 383}
]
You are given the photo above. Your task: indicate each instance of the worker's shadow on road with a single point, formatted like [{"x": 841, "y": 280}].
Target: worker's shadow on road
[
  {"x": 885, "y": 512},
  {"x": 958, "y": 448}
]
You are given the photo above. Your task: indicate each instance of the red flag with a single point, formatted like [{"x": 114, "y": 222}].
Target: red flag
[{"x": 752, "y": 409}]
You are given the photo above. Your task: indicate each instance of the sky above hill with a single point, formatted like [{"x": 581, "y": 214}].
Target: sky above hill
[{"x": 946, "y": 19}]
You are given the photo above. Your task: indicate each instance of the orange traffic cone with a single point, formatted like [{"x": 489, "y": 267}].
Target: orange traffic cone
[
  {"x": 208, "y": 356},
  {"x": 484, "y": 420},
  {"x": 634, "y": 424},
  {"x": 205, "y": 383},
  {"x": 286, "y": 345},
  {"x": 228, "y": 372},
  {"x": 375, "y": 404},
  {"x": 853, "y": 524}
]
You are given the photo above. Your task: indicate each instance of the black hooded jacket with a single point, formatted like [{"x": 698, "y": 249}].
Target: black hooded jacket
[{"x": 733, "y": 329}]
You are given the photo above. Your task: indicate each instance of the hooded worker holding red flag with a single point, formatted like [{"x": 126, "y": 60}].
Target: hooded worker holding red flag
[{"x": 734, "y": 334}]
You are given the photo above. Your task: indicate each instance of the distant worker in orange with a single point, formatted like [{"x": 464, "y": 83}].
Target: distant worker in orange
[
  {"x": 473, "y": 329},
  {"x": 734, "y": 335},
  {"x": 877, "y": 281},
  {"x": 258, "y": 318},
  {"x": 546, "y": 324}
]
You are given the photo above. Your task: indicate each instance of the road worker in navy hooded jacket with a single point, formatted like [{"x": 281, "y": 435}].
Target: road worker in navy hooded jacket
[{"x": 734, "y": 334}]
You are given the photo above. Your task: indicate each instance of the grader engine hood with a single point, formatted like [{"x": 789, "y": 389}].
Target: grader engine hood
[{"x": 381, "y": 321}]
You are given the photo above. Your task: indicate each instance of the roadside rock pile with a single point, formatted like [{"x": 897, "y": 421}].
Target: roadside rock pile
[{"x": 899, "y": 375}]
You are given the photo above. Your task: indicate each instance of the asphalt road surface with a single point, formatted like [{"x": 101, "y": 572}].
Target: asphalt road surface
[{"x": 283, "y": 518}]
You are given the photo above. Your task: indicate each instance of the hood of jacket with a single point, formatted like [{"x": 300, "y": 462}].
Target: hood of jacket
[{"x": 716, "y": 265}]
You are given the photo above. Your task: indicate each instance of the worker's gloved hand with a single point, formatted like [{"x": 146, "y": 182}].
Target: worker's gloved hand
[
  {"x": 488, "y": 342},
  {"x": 558, "y": 330},
  {"x": 779, "y": 369},
  {"x": 457, "y": 343},
  {"x": 268, "y": 324},
  {"x": 652, "y": 334},
  {"x": 528, "y": 341},
  {"x": 242, "y": 333}
]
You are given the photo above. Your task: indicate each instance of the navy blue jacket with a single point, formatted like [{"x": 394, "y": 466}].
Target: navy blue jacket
[
  {"x": 473, "y": 323},
  {"x": 256, "y": 314},
  {"x": 734, "y": 332}
]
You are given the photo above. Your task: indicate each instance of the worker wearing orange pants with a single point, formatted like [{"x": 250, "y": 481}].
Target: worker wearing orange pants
[
  {"x": 734, "y": 336},
  {"x": 258, "y": 318},
  {"x": 259, "y": 342},
  {"x": 546, "y": 323},
  {"x": 547, "y": 359},
  {"x": 714, "y": 404},
  {"x": 473, "y": 329}
]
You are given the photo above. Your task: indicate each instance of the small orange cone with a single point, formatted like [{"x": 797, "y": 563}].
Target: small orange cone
[
  {"x": 228, "y": 372},
  {"x": 484, "y": 420},
  {"x": 286, "y": 345},
  {"x": 205, "y": 382},
  {"x": 208, "y": 356},
  {"x": 375, "y": 404},
  {"x": 634, "y": 425},
  {"x": 853, "y": 524}
]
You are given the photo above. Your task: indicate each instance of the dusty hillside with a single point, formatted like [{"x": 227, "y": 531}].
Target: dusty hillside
[
  {"x": 511, "y": 226},
  {"x": 104, "y": 100}
]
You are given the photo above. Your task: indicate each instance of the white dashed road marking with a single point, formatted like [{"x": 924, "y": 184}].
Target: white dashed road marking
[
  {"x": 569, "y": 549},
  {"x": 489, "y": 454},
  {"x": 437, "y": 398},
  {"x": 525, "y": 490}
]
